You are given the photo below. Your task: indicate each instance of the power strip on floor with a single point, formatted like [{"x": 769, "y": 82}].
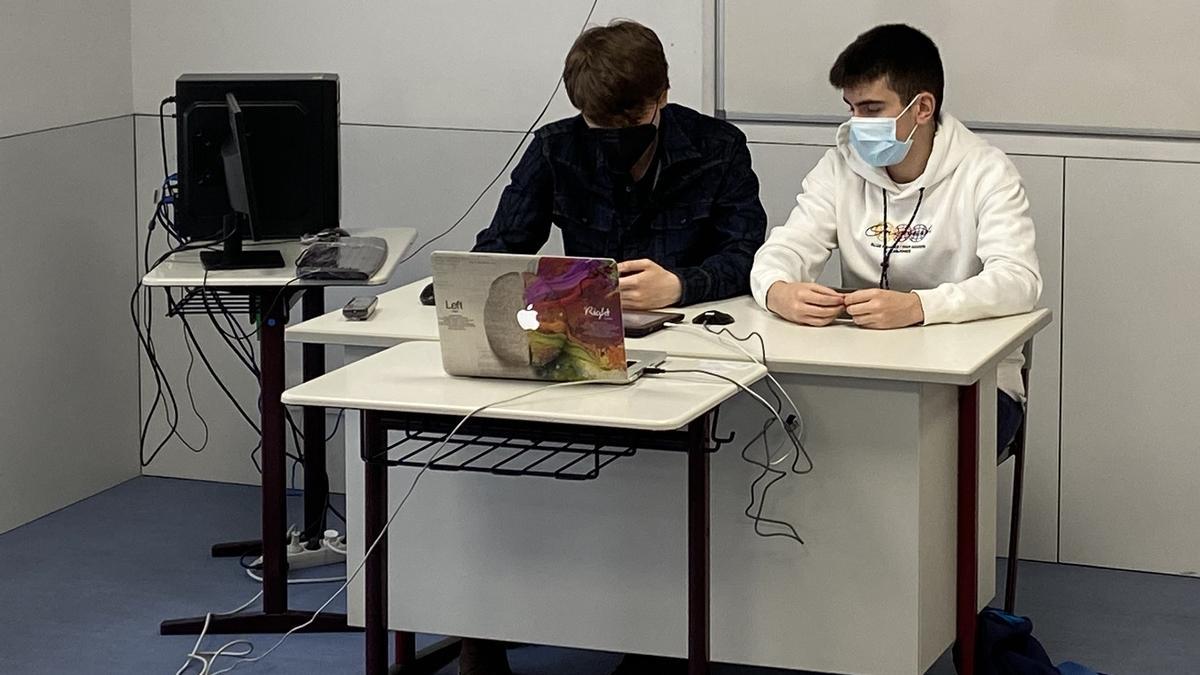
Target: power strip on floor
[{"x": 330, "y": 552}]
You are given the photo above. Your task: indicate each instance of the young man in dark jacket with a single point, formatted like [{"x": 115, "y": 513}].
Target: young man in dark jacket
[{"x": 664, "y": 190}]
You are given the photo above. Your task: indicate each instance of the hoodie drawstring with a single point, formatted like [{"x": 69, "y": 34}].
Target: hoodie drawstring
[{"x": 887, "y": 252}]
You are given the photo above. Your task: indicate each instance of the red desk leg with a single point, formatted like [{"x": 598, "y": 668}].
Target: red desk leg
[
  {"x": 698, "y": 548},
  {"x": 967, "y": 592},
  {"x": 275, "y": 616}
]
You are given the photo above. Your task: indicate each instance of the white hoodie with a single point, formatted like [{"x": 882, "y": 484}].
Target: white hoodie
[{"x": 969, "y": 253}]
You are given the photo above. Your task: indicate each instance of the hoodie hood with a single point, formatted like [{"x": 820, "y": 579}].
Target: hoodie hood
[{"x": 952, "y": 143}]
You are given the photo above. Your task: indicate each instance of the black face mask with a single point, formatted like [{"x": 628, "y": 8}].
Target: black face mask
[{"x": 623, "y": 147}]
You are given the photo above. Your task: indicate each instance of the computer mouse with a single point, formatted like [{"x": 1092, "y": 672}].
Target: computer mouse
[
  {"x": 712, "y": 318},
  {"x": 427, "y": 296}
]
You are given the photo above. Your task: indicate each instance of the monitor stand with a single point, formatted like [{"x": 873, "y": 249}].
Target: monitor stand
[{"x": 233, "y": 257}]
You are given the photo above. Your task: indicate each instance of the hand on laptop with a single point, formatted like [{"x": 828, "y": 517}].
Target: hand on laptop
[
  {"x": 880, "y": 309},
  {"x": 804, "y": 303},
  {"x": 646, "y": 285}
]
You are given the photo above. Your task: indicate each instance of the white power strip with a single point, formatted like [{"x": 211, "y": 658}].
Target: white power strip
[{"x": 299, "y": 557}]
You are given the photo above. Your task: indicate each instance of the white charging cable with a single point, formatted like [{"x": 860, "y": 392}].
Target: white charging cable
[
  {"x": 244, "y": 657},
  {"x": 302, "y": 580},
  {"x": 207, "y": 659}
]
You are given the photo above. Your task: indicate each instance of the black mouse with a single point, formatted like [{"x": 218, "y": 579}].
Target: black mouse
[
  {"x": 427, "y": 296},
  {"x": 712, "y": 318}
]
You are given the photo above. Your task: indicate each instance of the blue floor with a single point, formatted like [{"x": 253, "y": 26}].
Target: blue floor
[{"x": 85, "y": 588}]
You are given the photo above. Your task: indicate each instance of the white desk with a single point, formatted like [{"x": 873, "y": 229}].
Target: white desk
[
  {"x": 411, "y": 379},
  {"x": 405, "y": 385},
  {"x": 877, "y": 580},
  {"x": 185, "y": 270},
  {"x": 399, "y": 317},
  {"x": 944, "y": 354},
  {"x": 270, "y": 294}
]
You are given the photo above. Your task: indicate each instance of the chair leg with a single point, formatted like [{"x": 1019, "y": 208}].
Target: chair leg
[{"x": 1014, "y": 534}]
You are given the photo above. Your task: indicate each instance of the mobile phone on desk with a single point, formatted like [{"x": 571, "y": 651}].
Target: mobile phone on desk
[
  {"x": 641, "y": 324},
  {"x": 360, "y": 308}
]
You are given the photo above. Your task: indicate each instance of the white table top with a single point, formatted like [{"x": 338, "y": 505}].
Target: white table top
[
  {"x": 957, "y": 354},
  {"x": 185, "y": 269},
  {"x": 945, "y": 354},
  {"x": 409, "y": 378},
  {"x": 399, "y": 317}
]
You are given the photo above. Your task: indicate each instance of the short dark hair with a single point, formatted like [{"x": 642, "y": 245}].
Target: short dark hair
[
  {"x": 905, "y": 56},
  {"x": 614, "y": 73}
]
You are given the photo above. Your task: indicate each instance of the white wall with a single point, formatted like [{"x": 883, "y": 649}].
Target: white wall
[
  {"x": 440, "y": 63},
  {"x": 1131, "y": 415},
  {"x": 431, "y": 93},
  {"x": 65, "y": 62},
  {"x": 68, "y": 399}
]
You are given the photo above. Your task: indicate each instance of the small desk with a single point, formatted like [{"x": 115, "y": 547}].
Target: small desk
[
  {"x": 270, "y": 292},
  {"x": 898, "y": 515},
  {"x": 399, "y": 317},
  {"x": 405, "y": 386},
  {"x": 184, "y": 269}
]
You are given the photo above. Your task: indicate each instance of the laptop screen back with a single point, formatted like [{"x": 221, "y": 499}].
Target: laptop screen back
[{"x": 529, "y": 317}]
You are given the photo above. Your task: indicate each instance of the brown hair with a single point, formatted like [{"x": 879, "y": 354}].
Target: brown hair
[{"x": 614, "y": 73}]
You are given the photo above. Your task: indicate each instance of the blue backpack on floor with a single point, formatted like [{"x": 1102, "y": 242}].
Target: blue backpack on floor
[{"x": 1006, "y": 646}]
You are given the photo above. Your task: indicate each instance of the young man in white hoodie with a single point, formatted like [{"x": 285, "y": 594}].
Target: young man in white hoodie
[{"x": 931, "y": 221}]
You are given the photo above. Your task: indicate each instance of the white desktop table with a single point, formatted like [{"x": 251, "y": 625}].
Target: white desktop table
[
  {"x": 399, "y": 317},
  {"x": 890, "y": 573},
  {"x": 184, "y": 269},
  {"x": 404, "y": 388},
  {"x": 270, "y": 291},
  {"x": 949, "y": 354}
]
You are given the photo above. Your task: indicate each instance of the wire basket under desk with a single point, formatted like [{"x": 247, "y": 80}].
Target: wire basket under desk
[
  {"x": 510, "y": 448},
  {"x": 208, "y": 300},
  {"x": 506, "y": 456}
]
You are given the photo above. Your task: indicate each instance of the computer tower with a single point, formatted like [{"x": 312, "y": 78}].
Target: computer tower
[{"x": 293, "y": 134}]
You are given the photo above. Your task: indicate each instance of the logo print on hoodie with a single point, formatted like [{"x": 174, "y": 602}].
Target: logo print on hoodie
[{"x": 896, "y": 234}]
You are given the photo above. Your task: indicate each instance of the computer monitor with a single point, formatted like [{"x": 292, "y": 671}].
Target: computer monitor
[
  {"x": 235, "y": 159},
  {"x": 288, "y": 155}
]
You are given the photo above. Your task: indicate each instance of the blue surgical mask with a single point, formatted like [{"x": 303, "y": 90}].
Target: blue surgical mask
[{"x": 874, "y": 139}]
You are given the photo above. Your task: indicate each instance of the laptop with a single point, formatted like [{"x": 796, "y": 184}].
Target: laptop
[{"x": 533, "y": 317}]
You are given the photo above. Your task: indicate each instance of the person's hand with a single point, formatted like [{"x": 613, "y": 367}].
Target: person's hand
[
  {"x": 805, "y": 303},
  {"x": 880, "y": 309},
  {"x": 646, "y": 285}
]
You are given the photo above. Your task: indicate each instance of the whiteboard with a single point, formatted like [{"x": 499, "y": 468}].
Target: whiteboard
[{"x": 1125, "y": 67}]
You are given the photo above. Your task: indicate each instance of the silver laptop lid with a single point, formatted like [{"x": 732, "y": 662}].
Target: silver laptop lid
[{"x": 529, "y": 317}]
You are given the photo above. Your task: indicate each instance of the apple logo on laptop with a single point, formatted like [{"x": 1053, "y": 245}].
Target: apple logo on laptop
[{"x": 528, "y": 318}]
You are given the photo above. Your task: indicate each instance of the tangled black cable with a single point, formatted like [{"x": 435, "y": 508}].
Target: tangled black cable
[{"x": 792, "y": 426}]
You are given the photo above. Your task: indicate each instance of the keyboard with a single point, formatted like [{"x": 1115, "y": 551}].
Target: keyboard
[{"x": 347, "y": 259}]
